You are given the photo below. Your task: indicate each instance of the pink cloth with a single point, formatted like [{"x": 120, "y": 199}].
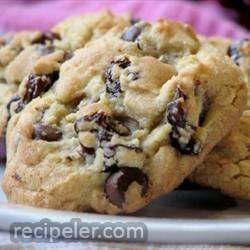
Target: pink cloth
[{"x": 207, "y": 17}]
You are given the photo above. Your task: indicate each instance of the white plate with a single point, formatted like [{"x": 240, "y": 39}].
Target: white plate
[{"x": 181, "y": 217}]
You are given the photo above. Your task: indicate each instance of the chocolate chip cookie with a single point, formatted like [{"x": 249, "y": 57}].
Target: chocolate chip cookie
[
  {"x": 227, "y": 168},
  {"x": 31, "y": 60},
  {"x": 128, "y": 119},
  {"x": 238, "y": 51}
]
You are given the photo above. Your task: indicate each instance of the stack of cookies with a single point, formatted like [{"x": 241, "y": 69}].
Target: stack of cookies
[{"x": 106, "y": 113}]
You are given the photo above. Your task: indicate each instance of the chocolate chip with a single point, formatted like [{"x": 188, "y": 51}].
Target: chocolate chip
[
  {"x": 113, "y": 85},
  {"x": 182, "y": 134},
  {"x": 20, "y": 106},
  {"x": 176, "y": 113},
  {"x": 86, "y": 150},
  {"x": 46, "y": 50},
  {"x": 134, "y": 20},
  {"x": 46, "y": 132},
  {"x": 67, "y": 56},
  {"x": 104, "y": 126},
  {"x": 109, "y": 152},
  {"x": 37, "y": 85},
  {"x": 47, "y": 37},
  {"x": 106, "y": 122},
  {"x": 5, "y": 40},
  {"x": 131, "y": 34},
  {"x": 113, "y": 88},
  {"x": 136, "y": 149},
  {"x": 13, "y": 99},
  {"x": 191, "y": 147},
  {"x": 235, "y": 50},
  {"x": 16, "y": 177},
  {"x": 118, "y": 183}
]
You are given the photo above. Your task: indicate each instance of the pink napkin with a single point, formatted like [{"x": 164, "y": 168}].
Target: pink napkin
[{"x": 207, "y": 17}]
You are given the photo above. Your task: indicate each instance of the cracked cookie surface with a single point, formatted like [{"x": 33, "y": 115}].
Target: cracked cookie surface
[{"x": 129, "y": 117}]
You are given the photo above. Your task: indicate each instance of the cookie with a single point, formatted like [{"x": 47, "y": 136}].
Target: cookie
[
  {"x": 238, "y": 51},
  {"x": 129, "y": 118},
  {"x": 12, "y": 44},
  {"x": 77, "y": 31},
  {"x": 227, "y": 168},
  {"x": 41, "y": 54},
  {"x": 18, "y": 54}
]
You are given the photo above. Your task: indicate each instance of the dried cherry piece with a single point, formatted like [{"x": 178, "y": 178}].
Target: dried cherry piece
[
  {"x": 46, "y": 132},
  {"x": 118, "y": 183}
]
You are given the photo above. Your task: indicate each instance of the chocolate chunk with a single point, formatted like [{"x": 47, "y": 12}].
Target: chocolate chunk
[
  {"x": 47, "y": 37},
  {"x": 118, "y": 183},
  {"x": 113, "y": 85},
  {"x": 131, "y": 34},
  {"x": 235, "y": 50},
  {"x": 182, "y": 134},
  {"x": 37, "y": 85},
  {"x": 46, "y": 132}
]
